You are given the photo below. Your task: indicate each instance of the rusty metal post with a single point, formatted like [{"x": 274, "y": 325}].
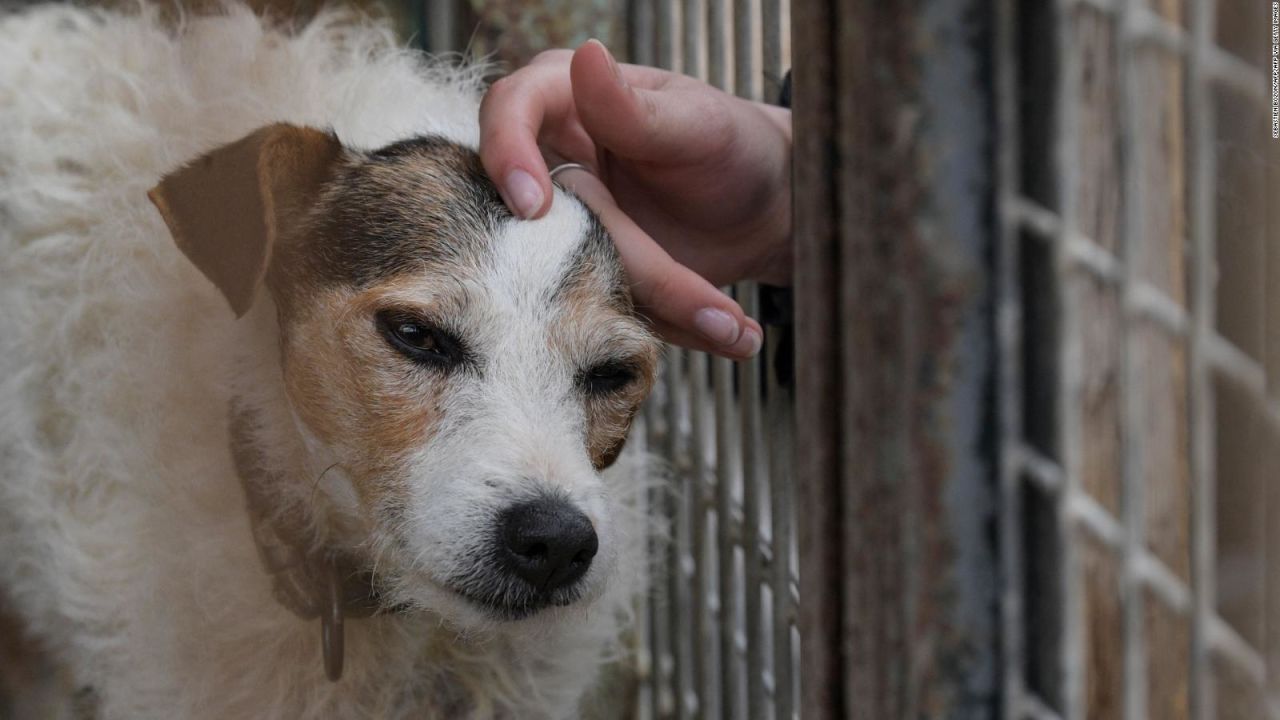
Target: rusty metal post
[{"x": 893, "y": 233}]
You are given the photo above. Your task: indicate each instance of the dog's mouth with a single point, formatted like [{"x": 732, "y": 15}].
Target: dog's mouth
[
  {"x": 507, "y": 601},
  {"x": 510, "y": 599},
  {"x": 485, "y": 588}
]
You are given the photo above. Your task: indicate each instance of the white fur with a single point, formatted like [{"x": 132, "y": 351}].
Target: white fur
[{"x": 124, "y": 542}]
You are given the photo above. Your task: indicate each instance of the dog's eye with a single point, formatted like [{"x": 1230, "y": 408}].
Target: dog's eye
[
  {"x": 418, "y": 341},
  {"x": 606, "y": 378}
]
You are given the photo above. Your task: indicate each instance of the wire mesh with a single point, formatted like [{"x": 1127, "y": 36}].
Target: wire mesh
[{"x": 722, "y": 617}]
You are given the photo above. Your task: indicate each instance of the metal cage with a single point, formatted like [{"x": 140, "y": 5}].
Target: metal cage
[{"x": 721, "y": 622}]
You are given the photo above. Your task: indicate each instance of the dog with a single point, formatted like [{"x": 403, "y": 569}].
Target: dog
[{"x": 296, "y": 419}]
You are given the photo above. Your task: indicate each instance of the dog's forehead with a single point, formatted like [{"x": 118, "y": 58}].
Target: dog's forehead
[
  {"x": 427, "y": 205},
  {"x": 417, "y": 202}
]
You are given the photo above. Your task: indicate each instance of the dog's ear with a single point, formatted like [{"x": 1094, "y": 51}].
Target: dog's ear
[{"x": 227, "y": 208}]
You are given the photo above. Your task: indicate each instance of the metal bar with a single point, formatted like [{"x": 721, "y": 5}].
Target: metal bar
[
  {"x": 666, "y": 46},
  {"x": 1069, "y": 379},
  {"x": 782, "y": 579},
  {"x": 1229, "y": 360},
  {"x": 746, "y": 49},
  {"x": 1133, "y": 600},
  {"x": 746, "y": 40},
  {"x": 1030, "y": 707},
  {"x": 438, "y": 25},
  {"x": 728, "y": 530},
  {"x": 646, "y": 664},
  {"x": 742, "y": 682},
  {"x": 1090, "y": 256},
  {"x": 703, "y": 505},
  {"x": 719, "y": 60},
  {"x": 1156, "y": 576},
  {"x": 691, "y": 675},
  {"x": 1151, "y": 26},
  {"x": 640, "y": 49},
  {"x": 771, "y": 26},
  {"x": 778, "y": 450},
  {"x": 693, "y": 19},
  {"x": 1229, "y": 646},
  {"x": 679, "y": 561},
  {"x": 660, "y": 606},
  {"x": 1146, "y": 301},
  {"x": 642, "y": 21},
  {"x": 1038, "y": 469},
  {"x": 716, "y": 636},
  {"x": 1027, "y": 213},
  {"x": 753, "y": 479},
  {"x": 1200, "y": 407},
  {"x": 1231, "y": 71},
  {"x": 649, "y": 698},
  {"x": 1010, "y": 370},
  {"x": 1087, "y": 514}
]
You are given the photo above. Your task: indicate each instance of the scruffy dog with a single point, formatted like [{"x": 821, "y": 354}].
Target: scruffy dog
[{"x": 278, "y": 364}]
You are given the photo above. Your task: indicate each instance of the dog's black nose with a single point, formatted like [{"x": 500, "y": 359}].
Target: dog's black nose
[{"x": 547, "y": 542}]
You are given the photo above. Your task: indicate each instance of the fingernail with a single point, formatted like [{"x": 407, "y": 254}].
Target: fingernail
[
  {"x": 749, "y": 344},
  {"x": 717, "y": 326},
  {"x": 613, "y": 63},
  {"x": 523, "y": 190}
]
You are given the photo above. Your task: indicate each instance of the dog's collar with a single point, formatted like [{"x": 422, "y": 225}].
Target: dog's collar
[{"x": 309, "y": 583}]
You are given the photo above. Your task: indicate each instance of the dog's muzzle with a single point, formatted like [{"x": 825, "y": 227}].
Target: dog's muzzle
[
  {"x": 547, "y": 542},
  {"x": 536, "y": 558}
]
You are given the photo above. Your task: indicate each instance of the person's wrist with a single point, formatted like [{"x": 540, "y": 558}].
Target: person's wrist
[
  {"x": 772, "y": 234},
  {"x": 775, "y": 259},
  {"x": 780, "y": 118}
]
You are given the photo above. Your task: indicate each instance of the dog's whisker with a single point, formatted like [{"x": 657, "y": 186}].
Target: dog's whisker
[{"x": 315, "y": 486}]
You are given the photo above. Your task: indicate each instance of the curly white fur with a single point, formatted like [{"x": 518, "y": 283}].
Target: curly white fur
[{"x": 124, "y": 542}]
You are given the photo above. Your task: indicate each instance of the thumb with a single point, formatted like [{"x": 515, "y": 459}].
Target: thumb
[{"x": 649, "y": 123}]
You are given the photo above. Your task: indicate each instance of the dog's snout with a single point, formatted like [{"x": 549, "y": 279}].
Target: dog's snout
[{"x": 548, "y": 542}]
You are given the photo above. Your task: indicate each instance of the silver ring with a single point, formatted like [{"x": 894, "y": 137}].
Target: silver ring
[{"x": 570, "y": 166}]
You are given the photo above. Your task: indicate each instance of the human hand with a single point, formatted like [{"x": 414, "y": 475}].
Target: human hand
[{"x": 701, "y": 181}]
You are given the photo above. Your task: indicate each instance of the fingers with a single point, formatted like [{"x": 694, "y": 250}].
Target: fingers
[
  {"x": 537, "y": 104},
  {"x": 512, "y": 116},
  {"x": 652, "y": 122},
  {"x": 685, "y": 308}
]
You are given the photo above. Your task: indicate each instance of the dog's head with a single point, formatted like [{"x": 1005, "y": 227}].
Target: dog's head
[{"x": 465, "y": 376}]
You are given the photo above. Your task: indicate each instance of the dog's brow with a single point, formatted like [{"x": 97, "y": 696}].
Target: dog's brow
[{"x": 595, "y": 255}]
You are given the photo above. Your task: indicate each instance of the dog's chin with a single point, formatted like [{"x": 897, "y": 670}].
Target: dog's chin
[
  {"x": 521, "y": 604},
  {"x": 476, "y": 607}
]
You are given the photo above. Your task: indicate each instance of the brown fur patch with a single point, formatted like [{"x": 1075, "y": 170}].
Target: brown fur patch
[
  {"x": 608, "y": 421},
  {"x": 31, "y": 682},
  {"x": 594, "y": 320},
  {"x": 419, "y": 202},
  {"x": 227, "y": 208},
  {"x": 355, "y": 393}
]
